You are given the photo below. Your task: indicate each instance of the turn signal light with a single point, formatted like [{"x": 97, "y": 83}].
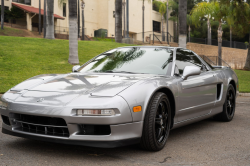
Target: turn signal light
[{"x": 137, "y": 109}]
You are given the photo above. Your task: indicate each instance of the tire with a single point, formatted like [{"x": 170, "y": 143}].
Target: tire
[
  {"x": 157, "y": 123},
  {"x": 229, "y": 106}
]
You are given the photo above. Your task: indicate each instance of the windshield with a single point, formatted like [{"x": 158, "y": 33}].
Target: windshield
[{"x": 132, "y": 60}]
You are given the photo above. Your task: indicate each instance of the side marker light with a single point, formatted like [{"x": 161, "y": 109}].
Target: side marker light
[{"x": 137, "y": 109}]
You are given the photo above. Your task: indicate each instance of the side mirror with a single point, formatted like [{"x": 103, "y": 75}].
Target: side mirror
[
  {"x": 190, "y": 71},
  {"x": 75, "y": 68}
]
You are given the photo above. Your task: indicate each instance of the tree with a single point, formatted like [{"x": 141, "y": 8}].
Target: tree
[
  {"x": 247, "y": 15},
  {"x": 203, "y": 10},
  {"x": 124, "y": 18},
  {"x": 182, "y": 23},
  {"x": 44, "y": 18},
  {"x": 2, "y": 14},
  {"x": 174, "y": 6},
  {"x": 39, "y": 17},
  {"x": 241, "y": 17},
  {"x": 219, "y": 13},
  {"x": 230, "y": 21},
  {"x": 189, "y": 23},
  {"x": 78, "y": 19},
  {"x": 83, "y": 19},
  {"x": 162, "y": 9},
  {"x": 73, "y": 35},
  {"x": 167, "y": 4},
  {"x": 14, "y": 13},
  {"x": 212, "y": 10},
  {"x": 50, "y": 29},
  {"x": 118, "y": 21}
]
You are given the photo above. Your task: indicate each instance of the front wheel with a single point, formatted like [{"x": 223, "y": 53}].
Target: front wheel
[
  {"x": 228, "y": 107},
  {"x": 156, "y": 123}
]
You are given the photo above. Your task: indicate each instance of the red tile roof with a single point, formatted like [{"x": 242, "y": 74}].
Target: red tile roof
[{"x": 31, "y": 9}]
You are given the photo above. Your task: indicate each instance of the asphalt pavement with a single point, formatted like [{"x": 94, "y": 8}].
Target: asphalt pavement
[{"x": 207, "y": 142}]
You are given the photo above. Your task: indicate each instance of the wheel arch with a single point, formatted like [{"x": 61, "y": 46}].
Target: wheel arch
[
  {"x": 171, "y": 98},
  {"x": 232, "y": 82}
]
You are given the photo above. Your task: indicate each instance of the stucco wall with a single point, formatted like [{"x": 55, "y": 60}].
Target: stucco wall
[{"x": 99, "y": 14}]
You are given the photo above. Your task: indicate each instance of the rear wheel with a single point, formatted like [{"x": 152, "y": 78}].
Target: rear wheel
[
  {"x": 156, "y": 123},
  {"x": 228, "y": 107}
]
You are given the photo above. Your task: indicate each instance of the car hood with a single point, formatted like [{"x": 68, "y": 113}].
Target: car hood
[{"x": 61, "y": 89}]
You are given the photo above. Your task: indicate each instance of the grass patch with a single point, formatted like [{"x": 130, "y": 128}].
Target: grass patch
[
  {"x": 103, "y": 39},
  {"x": 10, "y": 32},
  {"x": 244, "y": 80},
  {"x": 22, "y": 58}
]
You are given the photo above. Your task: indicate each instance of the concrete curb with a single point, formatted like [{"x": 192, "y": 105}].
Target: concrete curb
[{"x": 245, "y": 94}]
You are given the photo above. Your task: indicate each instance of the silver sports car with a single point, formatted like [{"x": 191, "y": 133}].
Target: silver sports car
[{"x": 128, "y": 95}]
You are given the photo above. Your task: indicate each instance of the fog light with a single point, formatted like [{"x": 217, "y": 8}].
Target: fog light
[{"x": 108, "y": 112}]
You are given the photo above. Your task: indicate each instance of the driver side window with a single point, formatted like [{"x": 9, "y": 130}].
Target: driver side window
[{"x": 185, "y": 58}]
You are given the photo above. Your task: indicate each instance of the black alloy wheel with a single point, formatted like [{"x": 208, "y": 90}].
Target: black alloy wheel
[
  {"x": 230, "y": 103},
  {"x": 157, "y": 123},
  {"x": 229, "y": 106},
  {"x": 161, "y": 122}
]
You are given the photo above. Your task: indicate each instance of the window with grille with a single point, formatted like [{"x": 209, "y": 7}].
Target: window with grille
[
  {"x": 26, "y": 2},
  {"x": 156, "y": 26}
]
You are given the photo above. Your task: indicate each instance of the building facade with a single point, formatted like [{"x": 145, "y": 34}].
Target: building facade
[{"x": 99, "y": 14}]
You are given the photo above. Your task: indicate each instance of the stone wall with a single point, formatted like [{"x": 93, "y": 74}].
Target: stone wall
[{"x": 236, "y": 58}]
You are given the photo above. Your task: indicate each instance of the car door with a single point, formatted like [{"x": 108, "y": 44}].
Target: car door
[{"x": 197, "y": 94}]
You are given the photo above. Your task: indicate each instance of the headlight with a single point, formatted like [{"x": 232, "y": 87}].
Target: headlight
[
  {"x": 3, "y": 104},
  {"x": 107, "y": 112}
]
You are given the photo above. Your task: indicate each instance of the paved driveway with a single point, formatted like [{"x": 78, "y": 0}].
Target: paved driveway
[{"x": 204, "y": 143}]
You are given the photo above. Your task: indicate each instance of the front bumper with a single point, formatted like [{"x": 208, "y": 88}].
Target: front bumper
[
  {"x": 121, "y": 135},
  {"x": 123, "y": 130},
  {"x": 99, "y": 144}
]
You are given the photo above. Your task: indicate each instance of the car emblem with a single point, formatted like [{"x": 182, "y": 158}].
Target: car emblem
[{"x": 40, "y": 100}]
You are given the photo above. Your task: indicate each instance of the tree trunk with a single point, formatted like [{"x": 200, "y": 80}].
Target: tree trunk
[
  {"x": 167, "y": 22},
  {"x": 78, "y": 19},
  {"x": 127, "y": 12},
  {"x": 50, "y": 33},
  {"x": 176, "y": 31},
  {"x": 2, "y": 14},
  {"x": 183, "y": 23},
  {"x": 162, "y": 29},
  {"x": 231, "y": 38},
  {"x": 143, "y": 11},
  {"x": 118, "y": 21},
  {"x": 247, "y": 65},
  {"x": 40, "y": 17},
  {"x": 73, "y": 42},
  {"x": 44, "y": 18},
  {"x": 124, "y": 19},
  {"x": 83, "y": 25},
  {"x": 220, "y": 32},
  {"x": 189, "y": 35},
  {"x": 209, "y": 37}
]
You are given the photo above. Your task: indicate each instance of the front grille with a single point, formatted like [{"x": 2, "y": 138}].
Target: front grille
[{"x": 41, "y": 125}]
